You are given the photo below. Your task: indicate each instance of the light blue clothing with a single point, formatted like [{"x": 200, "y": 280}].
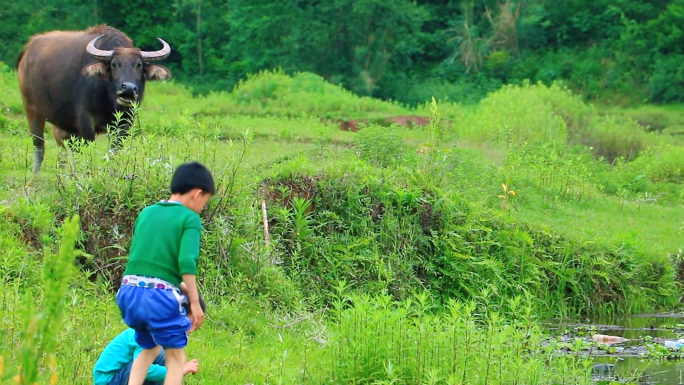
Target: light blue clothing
[
  {"x": 124, "y": 374},
  {"x": 120, "y": 352}
]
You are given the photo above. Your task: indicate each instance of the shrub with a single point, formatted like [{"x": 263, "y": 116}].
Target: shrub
[
  {"x": 529, "y": 113},
  {"x": 609, "y": 138},
  {"x": 380, "y": 145},
  {"x": 557, "y": 170},
  {"x": 537, "y": 114},
  {"x": 663, "y": 163},
  {"x": 305, "y": 94}
]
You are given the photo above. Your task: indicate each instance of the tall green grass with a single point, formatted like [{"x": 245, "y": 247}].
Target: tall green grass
[
  {"x": 362, "y": 340},
  {"x": 43, "y": 323},
  {"x": 382, "y": 342}
]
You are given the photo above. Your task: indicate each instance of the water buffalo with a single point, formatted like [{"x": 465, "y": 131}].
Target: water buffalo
[{"x": 76, "y": 80}]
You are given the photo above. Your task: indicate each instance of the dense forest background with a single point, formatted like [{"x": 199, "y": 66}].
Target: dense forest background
[{"x": 616, "y": 51}]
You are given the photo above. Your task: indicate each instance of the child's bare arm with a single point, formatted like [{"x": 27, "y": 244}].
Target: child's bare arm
[
  {"x": 196, "y": 314},
  {"x": 190, "y": 283},
  {"x": 187, "y": 262}
]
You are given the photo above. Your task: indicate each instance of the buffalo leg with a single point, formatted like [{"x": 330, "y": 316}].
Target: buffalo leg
[
  {"x": 87, "y": 126},
  {"x": 60, "y": 136},
  {"x": 87, "y": 133},
  {"x": 37, "y": 126}
]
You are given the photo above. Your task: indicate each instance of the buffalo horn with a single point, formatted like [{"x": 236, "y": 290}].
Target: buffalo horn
[
  {"x": 98, "y": 53},
  {"x": 157, "y": 55}
]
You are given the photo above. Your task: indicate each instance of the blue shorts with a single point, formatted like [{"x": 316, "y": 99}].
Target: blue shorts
[{"x": 156, "y": 315}]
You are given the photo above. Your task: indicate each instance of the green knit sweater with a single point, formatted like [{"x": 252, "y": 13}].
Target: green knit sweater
[{"x": 166, "y": 242}]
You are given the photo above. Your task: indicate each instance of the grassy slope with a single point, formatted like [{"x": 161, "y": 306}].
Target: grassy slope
[
  {"x": 167, "y": 107},
  {"x": 654, "y": 229},
  {"x": 236, "y": 326}
]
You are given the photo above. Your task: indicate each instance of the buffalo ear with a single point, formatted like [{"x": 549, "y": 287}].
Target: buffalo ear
[
  {"x": 95, "y": 69},
  {"x": 157, "y": 72}
]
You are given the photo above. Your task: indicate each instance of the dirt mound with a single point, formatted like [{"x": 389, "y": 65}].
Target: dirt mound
[
  {"x": 402, "y": 120},
  {"x": 283, "y": 191},
  {"x": 409, "y": 120}
]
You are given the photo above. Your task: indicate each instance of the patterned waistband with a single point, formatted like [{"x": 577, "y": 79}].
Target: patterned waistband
[{"x": 148, "y": 282}]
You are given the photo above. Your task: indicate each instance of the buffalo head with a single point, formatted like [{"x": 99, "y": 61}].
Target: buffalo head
[{"x": 127, "y": 69}]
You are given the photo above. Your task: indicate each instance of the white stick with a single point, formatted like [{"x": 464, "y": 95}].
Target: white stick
[{"x": 266, "y": 235}]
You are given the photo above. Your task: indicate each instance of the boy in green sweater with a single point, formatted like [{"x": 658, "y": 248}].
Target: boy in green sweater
[{"x": 164, "y": 252}]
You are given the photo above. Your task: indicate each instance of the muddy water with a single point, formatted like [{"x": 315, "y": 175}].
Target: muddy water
[{"x": 642, "y": 359}]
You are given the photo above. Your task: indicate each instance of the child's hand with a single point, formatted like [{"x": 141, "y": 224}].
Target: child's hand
[
  {"x": 196, "y": 315},
  {"x": 191, "y": 366}
]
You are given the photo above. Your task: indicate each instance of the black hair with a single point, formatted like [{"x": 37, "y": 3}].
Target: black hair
[
  {"x": 203, "y": 305},
  {"x": 190, "y": 176}
]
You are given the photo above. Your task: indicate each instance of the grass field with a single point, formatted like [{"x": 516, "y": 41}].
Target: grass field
[{"x": 422, "y": 255}]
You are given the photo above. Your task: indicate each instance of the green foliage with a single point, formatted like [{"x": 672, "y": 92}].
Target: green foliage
[
  {"x": 352, "y": 234},
  {"x": 620, "y": 50},
  {"x": 379, "y": 341},
  {"x": 16, "y": 261},
  {"x": 388, "y": 217},
  {"x": 530, "y": 113},
  {"x": 540, "y": 115},
  {"x": 380, "y": 145},
  {"x": 410, "y": 220},
  {"x": 359, "y": 335},
  {"x": 304, "y": 94},
  {"x": 664, "y": 163},
  {"x": 611, "y": 139},
  {"x": 41, "y": 330},
  {"x": 10, "y": 101},
  {"x": 558, "y": 171},
  {"x": 665, "y": 82}
]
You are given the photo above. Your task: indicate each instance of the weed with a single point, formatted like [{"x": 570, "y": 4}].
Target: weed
[{"x": 506, "y": 195}]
